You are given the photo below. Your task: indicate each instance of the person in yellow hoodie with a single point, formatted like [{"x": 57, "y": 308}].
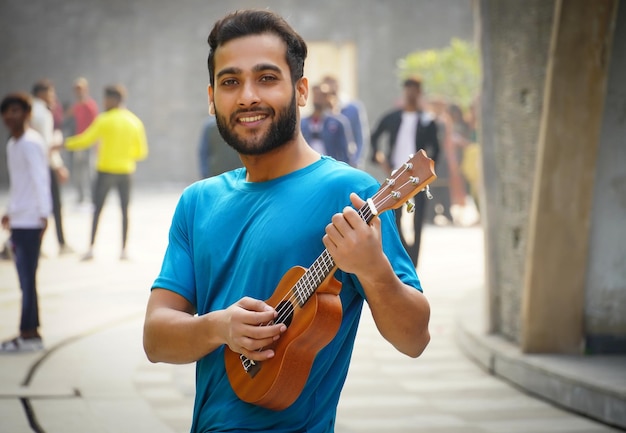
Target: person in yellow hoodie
[{"x": 122, "y": 142}]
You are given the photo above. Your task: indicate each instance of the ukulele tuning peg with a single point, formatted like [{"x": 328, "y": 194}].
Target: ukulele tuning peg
[
  {"x": 410, "y": 206},
  {"x": 429, "y": 196}
]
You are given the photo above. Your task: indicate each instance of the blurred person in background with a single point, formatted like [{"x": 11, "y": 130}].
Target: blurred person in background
[
  {"x": 29, "y": 206},
  {"x": 122, "y": 142},
  {"x": 355, "y": 112},
  {"x": 83, "y": 112},
  {"x": 214, "y": 155},
  {"x": 43, "y": 121},
  {"x": 408, "y": 129},
  {"x": 327, "y": 132}
]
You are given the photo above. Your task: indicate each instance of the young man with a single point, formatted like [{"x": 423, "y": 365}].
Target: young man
[
  {"x": 83, "y": 113},
  {"x": 326, "y": 132},
  {"x": 408, "y": 130},
  {"x": 42, "y": 121},
  {"x": 233, "y": 237},
  {"x": 27, "y": 214},
  {"x": 122, "y": 142}
]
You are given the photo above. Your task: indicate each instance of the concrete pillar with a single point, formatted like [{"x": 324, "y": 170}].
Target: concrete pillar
[
  {"x": 558, "y": 240},
  {"x": 514, "y": 45}
]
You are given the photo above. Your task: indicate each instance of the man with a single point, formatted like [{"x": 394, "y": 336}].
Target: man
[
  {"x": 83, "y": 113},
  {"x": 326, "y": 132},
  {"x": 408, "y": 129},
  {"x": 215, "y": 157},
  {"x": 355, "y": 112},
  {"x": 233, "y": 236},
  {"x": 27, "y": 215},
  {"x": 42, "y": 121},
  {"x": 122, "y": 142}
]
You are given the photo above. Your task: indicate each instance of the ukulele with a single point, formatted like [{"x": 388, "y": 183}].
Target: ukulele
[{"x": 307, "y": 302}]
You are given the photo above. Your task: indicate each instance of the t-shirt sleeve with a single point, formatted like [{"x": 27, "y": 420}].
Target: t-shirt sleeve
[{"x": 177, "y": 271}]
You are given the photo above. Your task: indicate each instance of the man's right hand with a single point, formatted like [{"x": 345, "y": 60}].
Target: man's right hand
[{"x": 249, "y": 328}]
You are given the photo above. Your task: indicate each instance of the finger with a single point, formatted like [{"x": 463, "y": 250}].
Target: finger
[
  {"x": 258, "y": 355},
  {"x": 356, "y": 201},
  {"x": 353, "y": 218},
  {"x": 252, "y": 304},
  {"x": 340, "y": 224}
]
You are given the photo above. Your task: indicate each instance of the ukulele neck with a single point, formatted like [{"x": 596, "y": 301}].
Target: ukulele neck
[{"x": 324, "y": 266}]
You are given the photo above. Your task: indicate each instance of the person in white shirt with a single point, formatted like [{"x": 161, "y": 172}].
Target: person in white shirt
[
  {"x": 408, "y": 129},
  {"x": 27, "y": 214},
  {"x": 42, "y": 121}
]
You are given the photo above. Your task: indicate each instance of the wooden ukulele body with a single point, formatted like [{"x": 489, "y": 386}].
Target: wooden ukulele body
[{"x": 277, "y": 383}]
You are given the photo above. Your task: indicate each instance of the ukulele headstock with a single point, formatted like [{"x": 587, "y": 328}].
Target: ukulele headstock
[{"x": 405, "y": 182}]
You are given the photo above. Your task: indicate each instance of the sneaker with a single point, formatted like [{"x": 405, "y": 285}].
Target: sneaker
[
  {"x": 21, "y": 345},
  {"x": 65, "y": 249},
  {"x": 5, "y": 254},
  {"x": 87, "y": 256}
]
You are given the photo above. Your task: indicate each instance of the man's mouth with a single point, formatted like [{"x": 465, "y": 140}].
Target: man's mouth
[{"x": 252, "y": 119}]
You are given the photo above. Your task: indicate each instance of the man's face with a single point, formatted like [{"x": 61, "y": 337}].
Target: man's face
[
  {"x": 15, "y": 117},
  {"x": 255, "y": 102},
  {"x": 49, "y": 96},
  {"x": 80, "y": 91},
  {"x": 412, "y": 94}
]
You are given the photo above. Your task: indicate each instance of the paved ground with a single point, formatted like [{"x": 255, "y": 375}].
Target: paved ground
[{"x": 94, "y": 376}]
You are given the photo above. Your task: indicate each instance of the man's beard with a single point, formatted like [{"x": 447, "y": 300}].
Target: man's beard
[{"x": 282, "y": 130}]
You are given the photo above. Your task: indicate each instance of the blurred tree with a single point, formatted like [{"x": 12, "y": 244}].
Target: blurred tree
[{"x": 452, "y": 73}]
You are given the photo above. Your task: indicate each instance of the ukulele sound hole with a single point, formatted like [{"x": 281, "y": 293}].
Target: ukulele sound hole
[{"x": 285, "y": 313}]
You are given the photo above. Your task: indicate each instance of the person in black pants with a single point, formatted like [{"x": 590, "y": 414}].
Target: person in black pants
[
  {"x": 27, "y": 213},
  {"x": 408, "y": 129}
]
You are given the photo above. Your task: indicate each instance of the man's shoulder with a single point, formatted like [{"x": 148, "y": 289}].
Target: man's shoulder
[
  {"x": 393, "y": 114},
  {"x": 32, "y": 139},
  {"x": 335, "y": 171},
  {"x": 120, "y": 114},
  {"x": 40, "y": 109}
]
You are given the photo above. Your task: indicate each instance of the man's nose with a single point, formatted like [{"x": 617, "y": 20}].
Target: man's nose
[{"x": 249, "y": 95}]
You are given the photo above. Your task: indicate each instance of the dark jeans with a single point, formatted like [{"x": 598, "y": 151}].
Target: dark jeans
[
  {"x": 26, "y": 248},
  {"x": 418, "y": 222},
  {"x": 104, "y": 182},
  {"x": 55, "y": 189}
]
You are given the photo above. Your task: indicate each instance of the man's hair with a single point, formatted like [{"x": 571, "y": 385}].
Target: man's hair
[
  {"x": 41, "y": 86},
  {"x": 115, "y": 91},
  {"x": 20, "y": 98},
  {"x": 413, "y": 82},
  {"x": 255, "y": 22},
  {"x": 81, "y": 82}
]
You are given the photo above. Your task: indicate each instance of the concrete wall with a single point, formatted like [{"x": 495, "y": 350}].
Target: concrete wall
[
  {"x": 605, "y": 316},
  {"x": 515, "y": 43},
  {"x": 515, "y": 38},
  {"x": 158, "y": 49}
]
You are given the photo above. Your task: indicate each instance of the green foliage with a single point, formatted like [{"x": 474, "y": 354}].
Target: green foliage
[{"x": 452, "y": 73}]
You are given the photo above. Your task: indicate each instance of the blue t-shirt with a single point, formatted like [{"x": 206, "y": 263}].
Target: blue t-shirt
[{"x": 231, "y": 238}]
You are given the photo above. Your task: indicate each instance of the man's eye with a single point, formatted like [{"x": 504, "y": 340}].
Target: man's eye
[
  {"x": 229, "y": 82},
  {"x": 268, "y": 78}
]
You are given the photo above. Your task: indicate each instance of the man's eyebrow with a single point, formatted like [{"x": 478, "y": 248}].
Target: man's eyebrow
[
  {"x": 228, "y": 71},
  {"x": 257, "y": 68},
  {"x": 267, "y": 67}
]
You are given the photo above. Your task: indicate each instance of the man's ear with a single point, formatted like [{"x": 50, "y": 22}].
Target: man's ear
[
  {"x": 210, "y": 96},
  {"x": 302, "y": 91}
]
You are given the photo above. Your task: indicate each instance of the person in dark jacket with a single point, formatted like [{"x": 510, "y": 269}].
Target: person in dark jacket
[{"x": 407, "y": 129}]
